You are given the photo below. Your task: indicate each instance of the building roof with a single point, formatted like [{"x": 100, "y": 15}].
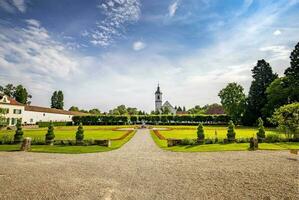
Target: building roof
[
  {"x": 10, "y": 101},
  {"x": 167, "y": 104},
  {"x": 51, "y": 110}
]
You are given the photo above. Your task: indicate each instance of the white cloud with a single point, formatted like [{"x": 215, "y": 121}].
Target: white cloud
[
  {"x": 138, "y": 45},
  {"x": 13, "y": 5},
  {"x": 277, "y": 32},
  {"x": 173, "y": 8},
  {"x": 118, "y": 14}
]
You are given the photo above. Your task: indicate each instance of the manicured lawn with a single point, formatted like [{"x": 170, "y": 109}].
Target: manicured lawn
[
  {"x": 224, "y": 147},
  {"x": 68, "y": 132},
  {"x": 182, "y": 132},
  {"x": 70, "y": 149}
]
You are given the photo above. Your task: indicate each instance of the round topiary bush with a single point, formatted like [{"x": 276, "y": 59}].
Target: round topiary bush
[
  {"x": 50, "y": 134},
  {"x": 18, "y": 137},
  {"x": 261, "y": 134},
  {"x": 80, "y": 134}
]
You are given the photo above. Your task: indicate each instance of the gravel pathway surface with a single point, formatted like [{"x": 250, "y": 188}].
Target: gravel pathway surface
[{"x": 140, "y": 170}]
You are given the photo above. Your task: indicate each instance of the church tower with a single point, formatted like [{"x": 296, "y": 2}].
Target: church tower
[{"x": 158, "y": 99}]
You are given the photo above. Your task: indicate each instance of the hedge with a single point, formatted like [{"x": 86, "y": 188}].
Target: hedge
[
  {"x": 151, "y": 119},
  {"x": 46, "y": 124}
]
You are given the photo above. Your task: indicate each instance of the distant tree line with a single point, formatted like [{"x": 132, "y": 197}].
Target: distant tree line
[{"x": 267, "y": 93}]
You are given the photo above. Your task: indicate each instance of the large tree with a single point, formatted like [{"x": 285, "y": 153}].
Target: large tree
[
  {"x": 74, "y": 108},
  {"x": 21, "y": 95},
  {"x": 257, "y": 98},
  {"x": 292, "y": 74},
  {"x": 57, "y": 100},
  {"x": 95, "y": 111},
  {"x": 233, "y": 100}
]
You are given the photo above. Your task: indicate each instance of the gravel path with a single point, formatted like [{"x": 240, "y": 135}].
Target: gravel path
[{"x": 140, "y": 170}]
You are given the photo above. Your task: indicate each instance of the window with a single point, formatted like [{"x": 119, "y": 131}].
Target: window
[
  {"x": 44, "y": 114},
  {"x": 4, "y": 110},
  {"x": 17, "y": 111},
  {"x": 31, "y": 120},
  {"x": 14, "y": 121}
]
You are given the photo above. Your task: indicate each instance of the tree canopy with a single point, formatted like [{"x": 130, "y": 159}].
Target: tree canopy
[
  {"x": 57, "y": 100},
  {"x": 19, "y": 93},
  {"x": 233, "y": 100}
]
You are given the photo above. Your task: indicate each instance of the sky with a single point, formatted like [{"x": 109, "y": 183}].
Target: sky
[{"x": 103, "y": 53}]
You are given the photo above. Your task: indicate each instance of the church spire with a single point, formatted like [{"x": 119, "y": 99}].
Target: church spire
[{"x": 158, "y": 89}]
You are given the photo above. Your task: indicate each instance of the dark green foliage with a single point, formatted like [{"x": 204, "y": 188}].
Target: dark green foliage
[
  {"x": 74, "y": 108},
  {"x": 95, "y": 111},
  {"x": 151, "y": 119},
  {"x": 271, "y": 138},
  {"x": 18, "y": 137},
  {"x": 80, "y": 134},
  {"x": 231, "y": 134},
  {"x": 200, "y": 133},
  {"x": 233, "y": 101},
  {"x": 292, "y": 73},
  {"x": 50, "y": 134},
  {"x": 257, "y": 98},
  {"x": 261, "y": 134},
  {"x": 57, "y": 100},
  {"x": 3, "y": 120},
  {"x": 21, "y": 95}
]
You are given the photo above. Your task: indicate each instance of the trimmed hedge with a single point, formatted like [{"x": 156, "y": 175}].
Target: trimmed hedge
[
  {"x": 46, "y": 124},
  {"x": 151, "y": 119}
]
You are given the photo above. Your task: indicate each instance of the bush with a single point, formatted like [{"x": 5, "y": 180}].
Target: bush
[
  {"x": 46, "y": 124},
  {"x": 261, "y": 134},
  {"x": 18, "y": 137},
  {"x": 50, "y": 134},
  {"x": 271, "y": 138},
  {"x": 188, "y": 141},
  {"x": 200, "y": 133},
  {"x": 231, "y": 134},
  {"x": 80, "y": 134},
  {"x": 208, "y": 141},
  {"x": 6, "y": 139},
  {"x": 37, "y": 141}
]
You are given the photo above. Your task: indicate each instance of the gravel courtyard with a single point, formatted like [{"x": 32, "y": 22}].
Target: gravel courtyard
[{"x": 140, "y": 170}]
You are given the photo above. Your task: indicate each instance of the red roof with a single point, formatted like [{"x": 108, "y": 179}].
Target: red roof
[
  {"x": 12, "y": 101},
  {"x": 51, "y": 110}
]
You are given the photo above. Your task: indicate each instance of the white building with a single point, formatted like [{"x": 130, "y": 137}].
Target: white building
[
  {"x": 32, "y": 114},
  {"x": 158, "y": 102}
]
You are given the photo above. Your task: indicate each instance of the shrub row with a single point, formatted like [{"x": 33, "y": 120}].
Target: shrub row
[
  {"x": 46, "y": 124},
  {"x": 151, "y": 119}
]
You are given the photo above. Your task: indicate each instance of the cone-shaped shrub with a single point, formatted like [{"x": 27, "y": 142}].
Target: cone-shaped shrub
[
  {"x": 200, "y": 133},
  {"x": 18, "y": 137},
  {"x": 50, "y": 134},
  {"x": 80, "y": 134},
  {"x": 231, "y": 134},
  {"x": 261, "y": 131}
]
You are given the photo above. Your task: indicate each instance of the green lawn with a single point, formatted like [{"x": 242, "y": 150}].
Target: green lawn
[
  {"x": 181, "y": 132},
  {"x": 68, "y": 132},
  {"x": 70, "y": 149},
  {"x": 224, "y": 147}
]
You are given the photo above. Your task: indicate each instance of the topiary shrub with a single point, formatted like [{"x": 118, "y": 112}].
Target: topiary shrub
[
  {"x": 231, "y": 134},
  {"x": 50, "y": 135},
  {"x": 200, "y": 133},
  {"x": 261, "y": 134},
  {"x": 18, "y": 137},
  {"x": 188, "y": 141},
  {"x": 80, "y": 134}
]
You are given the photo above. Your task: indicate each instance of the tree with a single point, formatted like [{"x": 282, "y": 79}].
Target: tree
[
  {"x": 179, "y": 109},
  {"x": 233, "y": 101},
  {"x": 21, "y": 95},
  {"x": 277, "y": 95},
  {"x": 18, "y": 137},
  {"x": 261, "y": 134},
  {"x": 57, "y": 100},
  {"x": 200, "y": 133},
  {"x": 95, "y": 111},
  {"x": 287, "y": 118},
  {"x": 231, "y": 134},
  {"x": 74, "y": 108},
  {"x": 132, "y": 111},
  {"x": 292, "y": 73},
  {"x": 50, "y": 134},
  {"x": 257, "y": 98},
  {"x": 80, "y": 134},
  {"x": 165, "y": 111},
  {"x": 9, "y": 90}
]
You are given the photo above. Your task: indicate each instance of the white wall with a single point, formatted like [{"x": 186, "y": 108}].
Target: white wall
[
  {"x": 31, "y": 117},
  {"x": 10, "y": 113}
]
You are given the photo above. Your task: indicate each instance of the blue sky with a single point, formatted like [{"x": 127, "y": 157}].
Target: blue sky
[{"x": 103, "y": 53}]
